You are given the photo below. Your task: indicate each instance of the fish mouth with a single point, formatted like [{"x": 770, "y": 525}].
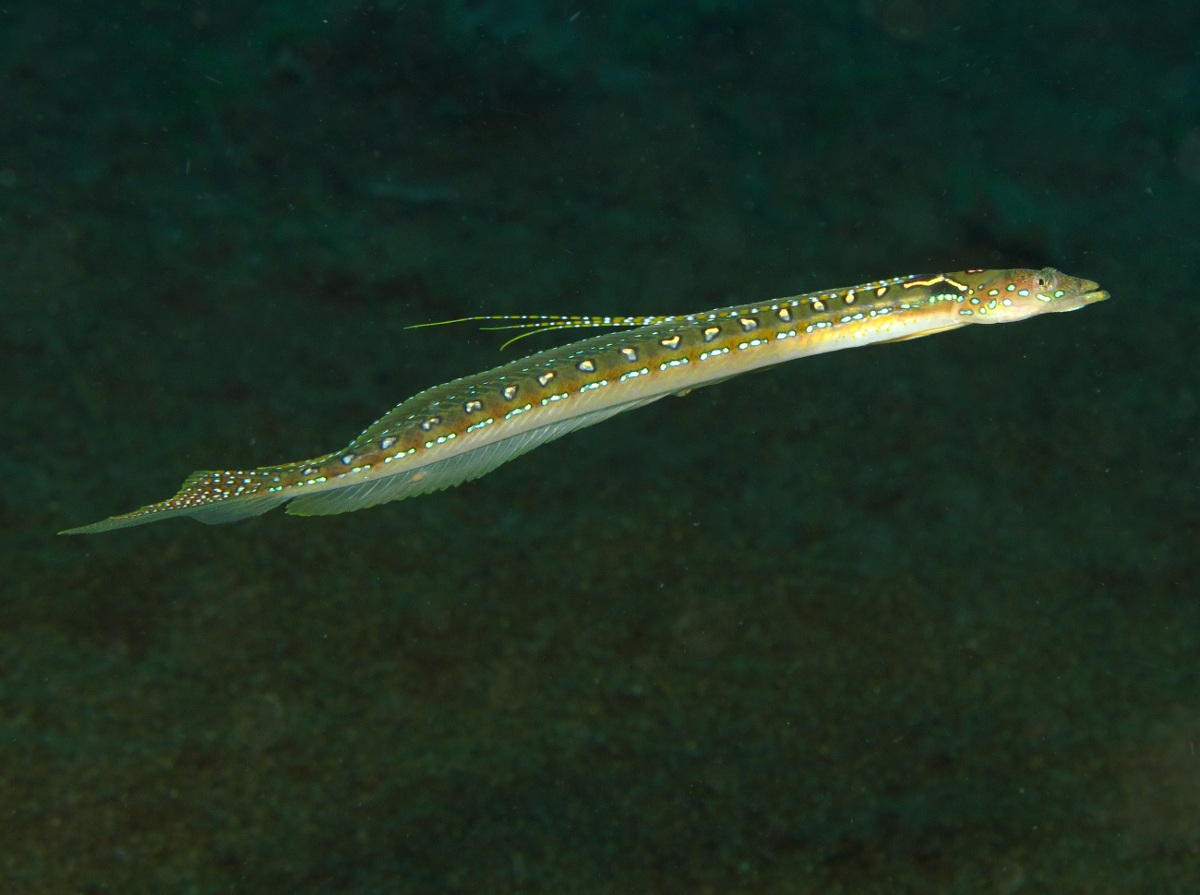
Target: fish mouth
[
  {"x": 1086, "y": 292},
  {"x": 1080, "y": 294}
]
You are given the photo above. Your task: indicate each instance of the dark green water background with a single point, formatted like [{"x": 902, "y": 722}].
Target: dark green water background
[{"x": 914, "y": 619}]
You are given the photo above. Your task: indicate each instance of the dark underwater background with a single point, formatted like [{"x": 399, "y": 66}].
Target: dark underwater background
[{"x": 918, "y": 618}]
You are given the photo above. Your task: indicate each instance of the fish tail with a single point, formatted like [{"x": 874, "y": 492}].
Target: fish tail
[{"x": 211, "y": 496}]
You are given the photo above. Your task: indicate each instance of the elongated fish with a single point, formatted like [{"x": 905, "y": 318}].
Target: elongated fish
[{"x": 458, "y": 431}]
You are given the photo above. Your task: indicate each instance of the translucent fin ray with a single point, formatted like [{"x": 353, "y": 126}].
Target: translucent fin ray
[{"x": 449, "y": 472}]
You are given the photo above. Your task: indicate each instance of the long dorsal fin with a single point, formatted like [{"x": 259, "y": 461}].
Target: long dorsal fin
[{"x": 543, "y": 323}]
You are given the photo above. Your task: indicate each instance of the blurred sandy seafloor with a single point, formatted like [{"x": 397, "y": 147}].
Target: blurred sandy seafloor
[{"x": 919, "y": 618}]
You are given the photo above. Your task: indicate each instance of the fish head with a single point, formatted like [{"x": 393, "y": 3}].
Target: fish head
[{"x": 1002, "y": 296}]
